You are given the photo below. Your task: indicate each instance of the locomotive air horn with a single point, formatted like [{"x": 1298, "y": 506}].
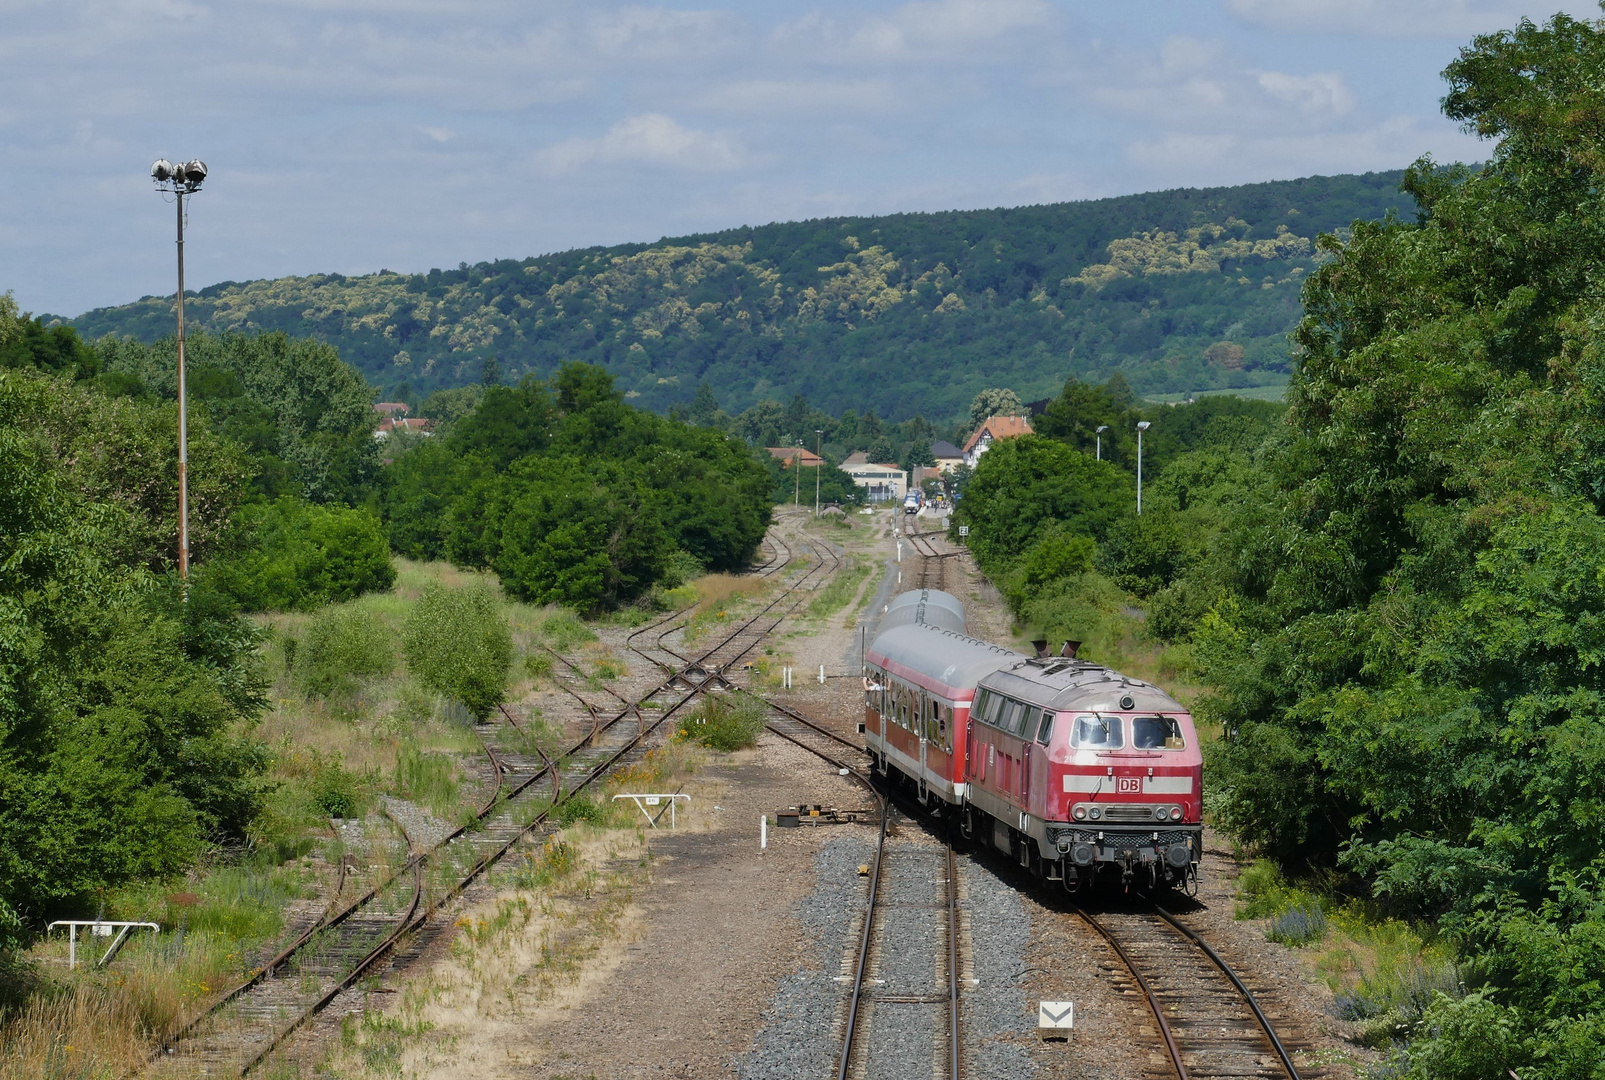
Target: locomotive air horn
[
  {"x": 1041, "y": 646},
  {"x": 1070, "y": 649}
]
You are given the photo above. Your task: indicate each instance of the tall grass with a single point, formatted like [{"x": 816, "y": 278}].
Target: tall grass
[{"x": 723, "y": 723}]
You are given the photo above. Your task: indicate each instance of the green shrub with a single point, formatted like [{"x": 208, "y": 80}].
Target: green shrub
[
  {"x": 343, "y": 645},
  {"x": 457, "y": 643},
  {"x": 579, "y": 808},
  {"x": 336, "y": 791},
  {"x": 539, "y": 664},
  {"x": 1473, "y": 1038},
  {"x": 301, "y": 555},
  {"x": 678, "y": 568},
  {"x": 724, "y": 723}
]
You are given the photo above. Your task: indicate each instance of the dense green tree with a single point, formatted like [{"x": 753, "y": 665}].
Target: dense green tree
[
  {"x": 1024, "y": 488},
  {"x": 26, "y": 342},
  {"x": 1180, "y": 290},
  {"x": 118, "y": 703},
  {"x": 300, "y": 555},
  {"x": 321, "y": 407},
  {"x": 994, "y": 402},
  {"x": 1405, "y": 644}
]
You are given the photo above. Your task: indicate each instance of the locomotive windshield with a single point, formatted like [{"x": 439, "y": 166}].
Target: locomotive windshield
[
  {"x": 1156, "y": 733},
  {"x": 1097, "y": 733}
]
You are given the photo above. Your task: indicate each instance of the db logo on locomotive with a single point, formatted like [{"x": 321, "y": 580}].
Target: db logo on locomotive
[{"x": 1128, "y": 785}]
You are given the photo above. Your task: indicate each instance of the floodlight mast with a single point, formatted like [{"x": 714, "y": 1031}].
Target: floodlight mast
[{"x": 182, "y": 179}]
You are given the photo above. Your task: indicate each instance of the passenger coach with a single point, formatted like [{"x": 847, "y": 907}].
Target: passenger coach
[{"x": 1070, "y": 767}]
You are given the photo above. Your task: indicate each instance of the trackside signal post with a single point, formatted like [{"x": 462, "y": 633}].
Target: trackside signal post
[{"x": 182, "y": 179}]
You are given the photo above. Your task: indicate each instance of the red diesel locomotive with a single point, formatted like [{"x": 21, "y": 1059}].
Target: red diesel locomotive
[{"x": 1069, "y": 767}]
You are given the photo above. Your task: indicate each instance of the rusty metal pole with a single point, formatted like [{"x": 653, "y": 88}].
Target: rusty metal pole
[{"x": 183, "y": 414}]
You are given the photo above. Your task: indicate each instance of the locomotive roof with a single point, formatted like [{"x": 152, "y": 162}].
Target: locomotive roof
[
  {"x": 931, "y": 606},
  {"x": 942, "y": 656},
  {"x": 1062, "y": 684}
]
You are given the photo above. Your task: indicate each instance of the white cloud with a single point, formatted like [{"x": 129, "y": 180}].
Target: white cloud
[
  {"x": 921, "y": 29},
  {"x": 766, "y": 97},
  {"x": 1324, "y": 92},
  {"x": 1413, "y": 18},
  {"x": 648, "y": 139}
]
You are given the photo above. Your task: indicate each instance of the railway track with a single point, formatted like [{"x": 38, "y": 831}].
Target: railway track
[
  {"x": 932, "y": 572},
  {"x": 902, "y": 1013},
  {"x": 1211, "y": 1025},
  {"x": 246, "y": 1026}
]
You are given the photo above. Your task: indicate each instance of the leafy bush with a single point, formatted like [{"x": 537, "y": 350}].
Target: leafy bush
[
  {"x": 343, "y": 644},
  {"x": 723, "y": 723},
  {"x": 678, "y": 568},
  {"x": 580, "y": 808},
  {"x": 336, "y": 791},
  {"x": 1302, "y": 924},
  {"x": 1472, "y": 1038},
  {"x": 457, "y": 643},
  {"x": 301, "y": 555}
]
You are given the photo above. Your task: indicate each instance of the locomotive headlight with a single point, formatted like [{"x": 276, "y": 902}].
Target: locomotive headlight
[
  {"x": 1096, "y": 813},
  {"x": 1175, "y": 813},
  {"x": 1081, "y": 813},
  {"x": 1159, "y": 813}
]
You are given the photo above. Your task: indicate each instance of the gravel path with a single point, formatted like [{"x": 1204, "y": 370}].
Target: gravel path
[
  {"x": 999, "y": 1023},
  {"x": 798, "y": 1035}
]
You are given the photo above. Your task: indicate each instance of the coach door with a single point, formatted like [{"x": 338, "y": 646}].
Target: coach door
[{"x": 924, "y": 707}]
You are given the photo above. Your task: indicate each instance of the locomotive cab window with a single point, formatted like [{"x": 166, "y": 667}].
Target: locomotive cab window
[
  {"x": 1097, "y": 733},
  {"x": 1045, "y": 728},
  {"x": 1156, "y": 733}
]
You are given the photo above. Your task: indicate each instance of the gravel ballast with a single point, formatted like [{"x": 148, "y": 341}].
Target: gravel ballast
[
  {"x": 798, "y": 1036},
  {"x": 997, "y": 1023}
]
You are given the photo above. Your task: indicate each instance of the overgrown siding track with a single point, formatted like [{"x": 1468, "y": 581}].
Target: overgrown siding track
[
  {"x": 1209, "y": 1022},
  {"x": 392, "y": 920}
]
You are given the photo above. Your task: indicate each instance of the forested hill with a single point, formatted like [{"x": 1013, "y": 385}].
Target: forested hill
[{"x": 909, "y": 313}]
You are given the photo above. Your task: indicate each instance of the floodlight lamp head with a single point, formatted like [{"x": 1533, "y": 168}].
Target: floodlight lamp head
[
  {"x": 1102, "y": 428},
  {"x": 1143, "y": 425},
  {"x": 194, "y": 172},
  {"x": 161, "y": 171}
]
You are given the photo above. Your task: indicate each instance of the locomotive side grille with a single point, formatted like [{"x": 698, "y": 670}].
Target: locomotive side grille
[
  {"x": 1128, "y": 813},
  {"x": 1134, "y": 840}
]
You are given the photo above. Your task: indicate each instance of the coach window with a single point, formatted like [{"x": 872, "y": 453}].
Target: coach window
[
  {"x": 947, "y": 727},
  {"x": 1156, "y": 733},
  {"x": 1097, "y": 733}
]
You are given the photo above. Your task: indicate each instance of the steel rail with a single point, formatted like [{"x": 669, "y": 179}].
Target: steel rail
[
  {"x": 1248, "y": 996},
  {"x": 845, "y": 1060},
  {"x": 412, "y": 919},
  {"x": 1153, "y": 998}
]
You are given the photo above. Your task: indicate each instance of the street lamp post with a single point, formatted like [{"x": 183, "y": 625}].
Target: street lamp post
[
  {"x": 819, "y": 438},
  {"x": 1098, "y": 435},
  {"x": 181, "y": 180},
  {"x": 1142, "y": 426}
]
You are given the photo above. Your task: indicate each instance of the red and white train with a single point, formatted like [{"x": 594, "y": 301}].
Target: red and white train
[{"x": 1071, "y": 768}]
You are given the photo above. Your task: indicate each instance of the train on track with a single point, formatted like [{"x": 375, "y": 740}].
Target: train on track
[{"x": 1074, "y": 770}]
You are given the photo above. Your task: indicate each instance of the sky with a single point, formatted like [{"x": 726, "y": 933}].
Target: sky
[{"x": 353, "y": 135}]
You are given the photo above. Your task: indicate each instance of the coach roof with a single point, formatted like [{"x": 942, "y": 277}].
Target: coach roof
[{"x": 939, "y": 656}]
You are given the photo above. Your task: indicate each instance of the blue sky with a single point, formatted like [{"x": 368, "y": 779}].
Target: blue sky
[{"x": 349, "y": 135}]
